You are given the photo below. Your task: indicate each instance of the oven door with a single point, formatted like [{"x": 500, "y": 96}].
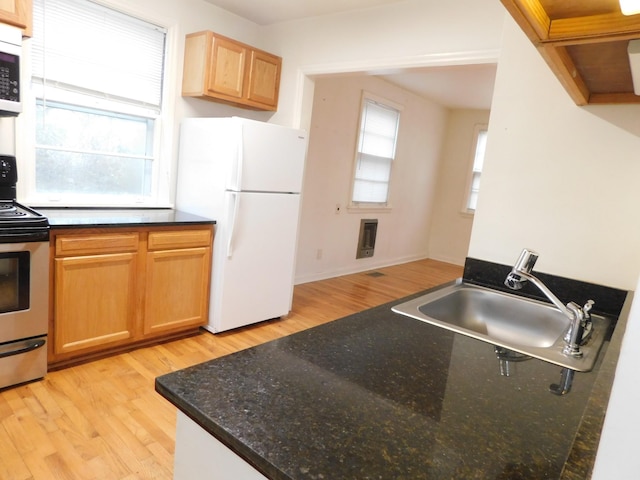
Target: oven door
[{"x": 24, "y": 290}]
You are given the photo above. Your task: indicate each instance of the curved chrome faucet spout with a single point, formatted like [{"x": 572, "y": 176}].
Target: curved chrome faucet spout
[{"x": 579, "y": 316}]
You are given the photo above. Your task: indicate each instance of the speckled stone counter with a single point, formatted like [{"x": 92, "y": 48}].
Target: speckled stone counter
[
  {"x": 380, "y": 396},
  {"x": 99, "y": 218}
]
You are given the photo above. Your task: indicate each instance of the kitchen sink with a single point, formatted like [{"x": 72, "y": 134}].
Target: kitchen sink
[{"x": 523, "y": 325}]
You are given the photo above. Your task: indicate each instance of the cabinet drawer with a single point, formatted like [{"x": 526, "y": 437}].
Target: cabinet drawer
[
  {"x": 179, "y": 239},
  {"x": 96, "y": 244}
]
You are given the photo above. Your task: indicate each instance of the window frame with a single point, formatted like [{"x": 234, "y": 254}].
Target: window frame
[
  {"x": 373, "y": 206},
  {"x": 477, "y": 130},
  {"x": 163, "y": 131}
]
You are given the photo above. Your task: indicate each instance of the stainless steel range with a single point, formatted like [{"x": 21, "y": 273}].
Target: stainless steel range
[{"x": 24, "y": 284}]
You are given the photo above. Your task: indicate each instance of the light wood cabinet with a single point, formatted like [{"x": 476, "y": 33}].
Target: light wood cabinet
[
  {"x": 178, "y": 270},
  {"x": 114, "y": 288},
  {"x": 95, "y": 293},
  {"x": 218, "y": 68},
  {"x": 18, "y": 13}
]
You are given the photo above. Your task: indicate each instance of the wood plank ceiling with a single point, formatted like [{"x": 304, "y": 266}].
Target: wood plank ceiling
[{"x": 585, "y": 44}]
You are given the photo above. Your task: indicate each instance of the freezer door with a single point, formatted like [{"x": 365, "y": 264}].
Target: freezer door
[
  {"x": 271, "y": 158},
  {"x": 254, "y": 255}
]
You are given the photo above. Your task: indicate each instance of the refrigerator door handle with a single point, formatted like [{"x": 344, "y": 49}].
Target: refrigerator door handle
[{"x": 234, "y": 213}]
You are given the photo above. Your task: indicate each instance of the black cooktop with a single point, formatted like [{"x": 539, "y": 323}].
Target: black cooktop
[{"x": 18, "y": 223}]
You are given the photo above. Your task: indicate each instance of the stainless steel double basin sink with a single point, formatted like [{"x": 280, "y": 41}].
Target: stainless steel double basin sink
[{"x": 516, "y": 323}]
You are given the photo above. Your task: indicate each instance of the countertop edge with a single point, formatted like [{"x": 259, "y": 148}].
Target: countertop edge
[
  {"x": 132, "y": 224},
  {"x": 71, "y": 218},
  {"x": 230, "y": 441}
]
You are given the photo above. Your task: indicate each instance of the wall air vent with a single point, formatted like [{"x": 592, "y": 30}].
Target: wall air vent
[{"x": 367, "y": 238}]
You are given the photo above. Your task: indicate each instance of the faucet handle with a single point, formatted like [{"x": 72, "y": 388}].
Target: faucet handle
[{"x": 587, "y": 307}]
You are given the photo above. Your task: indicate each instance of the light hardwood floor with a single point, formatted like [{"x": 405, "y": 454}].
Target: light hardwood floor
[{"x": 103, "y": 420}]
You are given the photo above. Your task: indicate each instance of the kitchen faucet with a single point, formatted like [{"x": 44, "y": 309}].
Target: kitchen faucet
[{"x": 580, "y": 320}]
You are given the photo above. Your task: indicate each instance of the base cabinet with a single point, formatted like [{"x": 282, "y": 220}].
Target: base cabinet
[
  {"x": 95, "y": 301},
  {"x": 114, "y": 288},
  {"x": 177, "y": 282}
]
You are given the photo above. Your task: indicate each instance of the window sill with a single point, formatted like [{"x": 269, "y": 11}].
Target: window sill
[{"x": 369, "y": 208}]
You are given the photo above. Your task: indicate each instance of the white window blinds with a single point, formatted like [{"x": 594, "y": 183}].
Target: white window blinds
[
  {"x": 376, "y": 151},
  {"x": 476, "y": 173},
  {"x": 87, "y": 48}
]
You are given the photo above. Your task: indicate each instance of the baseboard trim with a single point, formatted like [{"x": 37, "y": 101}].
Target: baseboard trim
[{"x": 369, "y": 265}]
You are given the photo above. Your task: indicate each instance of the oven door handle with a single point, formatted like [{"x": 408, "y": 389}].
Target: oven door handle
[{"x": 27, "y": 346}]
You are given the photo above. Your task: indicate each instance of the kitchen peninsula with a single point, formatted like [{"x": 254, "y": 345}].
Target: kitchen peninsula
[{"x": 379, "y": 395}]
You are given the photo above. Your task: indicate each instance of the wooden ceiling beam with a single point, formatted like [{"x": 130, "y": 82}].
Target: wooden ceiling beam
[
  {"x": 566, "y": 71},
  {"x": 593, "y": 26},
  {"x": 531, "y": 17},
  {"x": 555, "y": 36}
]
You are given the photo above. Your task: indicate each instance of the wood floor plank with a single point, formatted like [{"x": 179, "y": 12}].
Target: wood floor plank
[
  {"x": 68, "y": 460},
  {"x": 104, "y": 421},
  {"x": 12, "y": 464}
]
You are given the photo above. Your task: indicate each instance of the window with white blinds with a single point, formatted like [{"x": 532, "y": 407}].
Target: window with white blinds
[
  {"x": 480, "y": 142},
  {"x": 86, "y": 47},
  {"x": 375, "y": 152},
  {"x": 97, "y": 75}
]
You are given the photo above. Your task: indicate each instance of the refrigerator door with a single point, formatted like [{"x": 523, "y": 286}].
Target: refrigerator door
[
  {"x": 254, "y": 255},
  {"x": 270, "y": 158},
  {"x": 206, "y": 156}
]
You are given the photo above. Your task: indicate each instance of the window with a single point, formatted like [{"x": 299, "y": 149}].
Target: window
[
  {"x": 97, "y": 79},
  {"x": 480, "y": 143},
  {"x": 375, "y": 152}
]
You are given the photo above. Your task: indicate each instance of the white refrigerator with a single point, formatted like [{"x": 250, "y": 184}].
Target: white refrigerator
[{"x": 246, "y": 175}]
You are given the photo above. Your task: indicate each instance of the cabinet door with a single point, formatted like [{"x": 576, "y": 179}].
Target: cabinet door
[
  {"x": 226, "y": 74},
  {"x": 264, "y": 78},
  {"x": 17, "y": 13},
  {"x": 177, "y": 289},
  {"x": 95, "y": 301}
]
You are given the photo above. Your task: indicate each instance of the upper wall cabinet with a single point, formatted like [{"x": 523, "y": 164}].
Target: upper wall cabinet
[
  {"x": 18, "y": 13},
  {"x": 220, "y": 69},
  {"x": 585, "y": 44}
]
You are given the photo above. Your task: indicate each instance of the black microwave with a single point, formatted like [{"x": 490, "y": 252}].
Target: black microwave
[{"x": 10, "y": 49}]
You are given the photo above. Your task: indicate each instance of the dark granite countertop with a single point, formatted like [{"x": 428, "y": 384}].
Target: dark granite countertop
[
  {"x": 379, "y": 395},
  {"x": 107, "y": 217}
]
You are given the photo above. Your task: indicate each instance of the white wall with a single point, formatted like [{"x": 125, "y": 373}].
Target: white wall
[
  {"x": 405, "y": 34},
  {"x": 617, "y": 456},
  {"x": 327, "y": 240},
  {"x": 410, "y": 33},
  {"x": 558, "y": 178},
  {"x": 450, "y": 230},
  {"x": 415, "y": 32},
  {"x": 564, "y": 180},
  {"x": 180, "y": 17}
]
